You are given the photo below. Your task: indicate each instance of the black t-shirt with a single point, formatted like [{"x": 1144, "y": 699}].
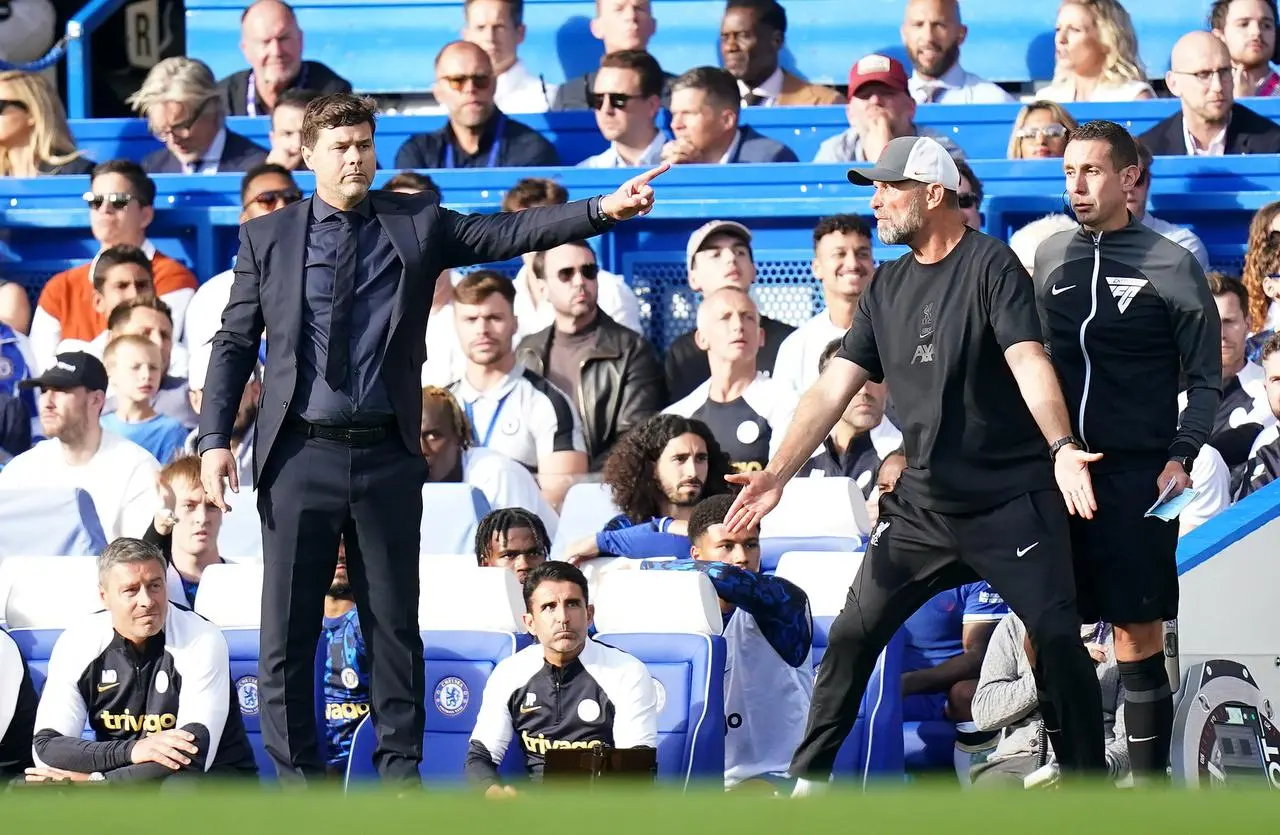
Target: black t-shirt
[{"x": 938, "y": 333}]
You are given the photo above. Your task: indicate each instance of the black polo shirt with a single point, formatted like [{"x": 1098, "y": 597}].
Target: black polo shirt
[{"x": 938, "y": 333}]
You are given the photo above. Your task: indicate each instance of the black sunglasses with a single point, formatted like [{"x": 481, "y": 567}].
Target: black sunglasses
[
  {"x": 588, "y": 271},
  {"x": 617, "y": 101},
  {"x": 117, "y": 200},
  {"x": 478, "y": 81},
  {"x": 5, "y": 104},
  {"x": 267, "y": 199},
  {"x": 968, "y": 201}
]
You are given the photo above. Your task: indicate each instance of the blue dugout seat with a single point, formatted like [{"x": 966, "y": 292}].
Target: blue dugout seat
[
  {"x": 49, "y": 521},
  {"x": 450, "y": 513},
  {"x": 682, "y": 647},
  {"x": 815, "y": 514}
]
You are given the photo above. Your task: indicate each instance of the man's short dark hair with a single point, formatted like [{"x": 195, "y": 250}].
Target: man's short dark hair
[
  {"x": 412, "y": 180},
  {"x": 114, "y": 257},
  {"x": 260, "y": 170},
  {"x": 1124, "y": 150},
  {"x": 337, "y": 110},
  {"x": 141, "y": 186},
  {"x": 768, "y": 12},
  {"x": 553, "y": 572},
  {"x": 720, "y": 87},
  {"x": 296, "y": 97},
  {"x": 539, "y": 264},
  {"x": 1221, "y": 284},
  {"x": 504, "y": 520},
  {"x": 534, "y": 191},
  {"x": 830, "y": 350},
  {"x": 1271, "y": 346},
  {"x": 643, "y": 64},
  {"x": 516, "y": 6},
  {"x": 123, "y": 312},
  {"x": 966, "y": 173},
  {"x": 708, "y": 512},
  {"x": 481, "y": 284},
  {"x": 844, "y": 224},
  {"x": 126, "y": 550},
  {"x": 1145, "y": 161}
]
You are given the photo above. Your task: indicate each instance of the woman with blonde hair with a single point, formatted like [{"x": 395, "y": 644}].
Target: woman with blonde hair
[
  {"x": 1097, "y": 55},
  {"x": 1040, "y": 131},
  {"x": 1262, "y": 270},
  {"x": 34, "y": 137}
]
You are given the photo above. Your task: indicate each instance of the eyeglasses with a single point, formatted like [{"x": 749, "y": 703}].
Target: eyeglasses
[
  {"x": 5, "y": 104},
  {"x": 587, "y": 271},
  {"x": 182, "y": 129},
  {"x": 1206, "y": 77},
  {"x": 968, "y": 201},
  {"x": 1046, "y": 131},
  {"x": 617, "y": 101},
  {"x": 267, "y": 199},
  {"x": 117, "y": 200},
  {"x": 478, "y": 81}
]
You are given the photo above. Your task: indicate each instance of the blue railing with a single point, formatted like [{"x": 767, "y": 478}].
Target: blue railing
[{"x": 79, "y": 54}]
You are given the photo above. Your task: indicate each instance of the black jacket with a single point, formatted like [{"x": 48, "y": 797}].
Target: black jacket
[
  {"x": 1126, "y": 314},
  {"x": 267, "y": 294},
  {"x": 687, "y": 366},
  {"x": 79, "y": 165},
  {"x": 313, "y": 76},
  {"x": 519, "y": 146},
  {"x": 238, "y": 154},
  {"x": 620, "y": 383},
  {"x": 1248, "y": 133}
]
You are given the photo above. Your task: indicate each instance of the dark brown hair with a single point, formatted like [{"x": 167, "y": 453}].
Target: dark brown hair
[
  {"x": 482, "y": 284},
  {"x": 534, "y": 191},
  {"x": 339, "y": 110},
  {"x": 642, "y": 64},
  {"x": 1221, "y": 284}
]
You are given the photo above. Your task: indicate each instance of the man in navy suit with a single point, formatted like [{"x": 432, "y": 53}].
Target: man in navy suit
[
  {"x": 186, "y": 111},
  {"x": 343, "y": 282},
  {"x": 705, "y": 105}
]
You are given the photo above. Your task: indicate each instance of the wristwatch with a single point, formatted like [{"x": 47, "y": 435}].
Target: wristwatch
[
  {"x": 601, "y": 217},
  {"x": 1060, "y": 443},
  {"x": 1185, "y": 460}
]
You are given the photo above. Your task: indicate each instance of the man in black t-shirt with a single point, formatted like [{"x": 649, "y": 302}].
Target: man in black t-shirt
[{"x": 953, "y": 326}]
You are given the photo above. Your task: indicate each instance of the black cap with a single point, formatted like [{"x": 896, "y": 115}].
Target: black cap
[{"x": 71, "y": 370}]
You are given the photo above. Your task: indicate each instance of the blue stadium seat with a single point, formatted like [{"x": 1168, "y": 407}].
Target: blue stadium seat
[
  {"x": 450, "y": 513},
  {"x": 242, "y": 646},
  {"x": 49, "y": 521},
  {"x": 682, "y": 647},
  {"x": 772, "y": 548},
  {"x": 36, "y": 646}
]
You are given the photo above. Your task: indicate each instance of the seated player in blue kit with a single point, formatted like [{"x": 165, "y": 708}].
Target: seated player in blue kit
[{"x": 346, "y": 669}]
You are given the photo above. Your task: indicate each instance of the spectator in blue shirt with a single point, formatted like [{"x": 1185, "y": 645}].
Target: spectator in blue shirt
[
  {"x": 17, "y": 405},
  {"x": 134, "y": 368},
  {"x": 657, "y": 472}
]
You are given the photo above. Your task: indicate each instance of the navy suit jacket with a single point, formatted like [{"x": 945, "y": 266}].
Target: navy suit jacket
[
  {"x": 1248, "y": 133},
  {"x": 238, "y": 154},
  {"x": 269, "y": 285},
  {"x": 756, "y": 147}
]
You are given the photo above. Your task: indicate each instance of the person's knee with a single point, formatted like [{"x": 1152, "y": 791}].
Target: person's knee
[
  {"x": 848, "y": 630},
  {"x": 1138, "y": 641},
  {"x": 960, "y": 700}
]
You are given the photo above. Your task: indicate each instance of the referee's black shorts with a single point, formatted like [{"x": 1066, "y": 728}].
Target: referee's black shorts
[{"x": 1126, "y": 565}]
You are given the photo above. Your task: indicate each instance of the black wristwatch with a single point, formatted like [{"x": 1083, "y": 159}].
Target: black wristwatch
[
  {"x": 1060, "y": 443},
  {"x": 1185, "y": 460},
  {"x": 602, "y": 219}
]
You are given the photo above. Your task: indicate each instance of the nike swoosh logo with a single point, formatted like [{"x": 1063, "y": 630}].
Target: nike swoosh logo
[
  {"x": 524, "y": 709},
  {"x": 1057, "y": 290},
  {"x": 1023, "y": 551},
  {"x": 102, "y": 688},
  {"x": 1141, "y": 739}
]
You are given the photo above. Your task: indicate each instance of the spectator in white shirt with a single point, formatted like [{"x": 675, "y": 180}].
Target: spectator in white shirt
[
  {"x": 626, "y": 95},
  {"x": 1180, "y": 235},
  {"x": 1211, "y": 479},
  {"x": 263, "y": 189},
  {"x": 1040, "y": 131},
  {"x": 1096, "y": 53},
  {"x": 1025, "y": 241},
  {"x": 933, "y": 33},
  {"x": 842, "y": 262},
  {"x": 497, "y": 27},
  {"x": 453, "y": 458},
  {"x": 118, "y": 475},
  {"x": 510, "y": 408},
  {"x": 1248, "y": 28},
  {"x": 244, "y": 430}
]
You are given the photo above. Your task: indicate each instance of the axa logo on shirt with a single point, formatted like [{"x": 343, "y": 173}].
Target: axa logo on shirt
[
  {"x": 540, "y": 745},
  {"x": 143, "y": 722},
  {"x": 923, "y": 354},
  {"x": 1124, "y": 290}
]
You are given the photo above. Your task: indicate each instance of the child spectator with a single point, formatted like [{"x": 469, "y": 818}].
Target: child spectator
[{"x": 134, "y": 368}]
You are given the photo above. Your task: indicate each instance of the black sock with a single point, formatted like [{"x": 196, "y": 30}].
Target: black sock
[
  {"x": 1148, "y": 716},
  {"x": 1052, "y": 729}
]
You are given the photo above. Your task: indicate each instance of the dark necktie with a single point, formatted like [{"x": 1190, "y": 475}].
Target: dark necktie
[
  {"x": 337, "y": 355},
  {"x": 754, "y": 99}
]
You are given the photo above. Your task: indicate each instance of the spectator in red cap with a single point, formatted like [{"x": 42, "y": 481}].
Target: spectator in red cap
[{"x": 880, "y": 110}]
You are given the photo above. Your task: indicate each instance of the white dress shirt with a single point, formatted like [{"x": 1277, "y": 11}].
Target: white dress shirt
[
  {"x": 520, "y": 91},
  {"x": 956, "y": 87},
  {"x": 1217, "y": 146},
  {"x": 733, "y": 147},
  {"x": 768, "y": 90},
  {"x": 1211, "y": 480},
  {"x": 609, "y": 158}
]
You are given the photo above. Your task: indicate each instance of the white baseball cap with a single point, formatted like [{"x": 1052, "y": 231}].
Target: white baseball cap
[{"x": 917, "y": 158}]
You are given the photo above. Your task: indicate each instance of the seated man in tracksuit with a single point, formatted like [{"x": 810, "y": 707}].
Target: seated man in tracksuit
[
  {"x": 769, "y": 632},
  {"x": 346, "y": 668},
  {"x": 567, "y": 691}
]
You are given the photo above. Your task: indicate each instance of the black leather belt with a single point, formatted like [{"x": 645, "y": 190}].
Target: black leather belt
[{"x": 349, "y": 435}]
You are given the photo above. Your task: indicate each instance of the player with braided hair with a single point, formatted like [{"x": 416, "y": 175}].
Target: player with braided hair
[{"x": 512, "y": 538}]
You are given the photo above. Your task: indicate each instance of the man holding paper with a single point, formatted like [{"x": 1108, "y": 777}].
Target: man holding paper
[{"x": 1126, "y": 315}]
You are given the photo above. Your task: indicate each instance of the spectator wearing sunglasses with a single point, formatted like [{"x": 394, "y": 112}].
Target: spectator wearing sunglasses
[
  {"x": 1180, "y": 235},
  {"x": 120, "y": 201},
  {"x": 969, "y": 197},
  {"x": 1040, "y": 131},
  {"x": 34, "y": 137},
  {"x": 264, "y": 188},
  {"x": 880, "y": 109},
  {"x": 186, "y": 111},
  {"x": 626, "y": 95},
  {"x": 286, "y": 128},
  {"x": 621, "y": 25},
  {"x": 610, "y": 372},
  {"x": 478, "y": 134}
]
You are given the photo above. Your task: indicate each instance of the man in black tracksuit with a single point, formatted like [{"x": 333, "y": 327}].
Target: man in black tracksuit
[{"x": 1126, "y": 314}]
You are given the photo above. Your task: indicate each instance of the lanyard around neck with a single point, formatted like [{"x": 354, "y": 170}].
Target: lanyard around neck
[{"x": 493, "y": 149}]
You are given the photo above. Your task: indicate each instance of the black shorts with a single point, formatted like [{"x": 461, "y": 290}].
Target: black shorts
[{"x": 1126, "y": 564}]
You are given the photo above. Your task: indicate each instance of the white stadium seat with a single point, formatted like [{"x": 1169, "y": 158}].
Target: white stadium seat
[
  {"x": 230, "y": 595},
  {"x": 814, "y": 507},
  {"x": 469, "y": 598},
  {"x": 240, "y": 537},
  {"x": 587, "y": 507},
  {"x": 825, "y": 576},
  {"x": 48, "y": 592},
  {"x": 658, "y": 601}
]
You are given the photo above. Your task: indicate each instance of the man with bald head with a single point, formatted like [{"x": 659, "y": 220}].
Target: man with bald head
[
  {"x": 1211, "y": 123},
  {"x": 272, "y": 44},
  {"x": 932, "y": 34},
  {"x": 478, "y": 134}
]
